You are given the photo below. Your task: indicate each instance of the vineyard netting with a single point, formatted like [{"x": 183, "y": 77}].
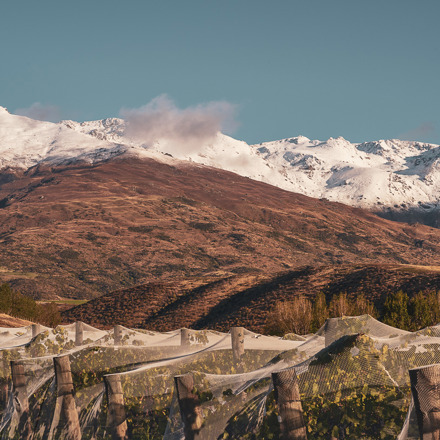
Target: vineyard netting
[{"x": 76, "y": 381}]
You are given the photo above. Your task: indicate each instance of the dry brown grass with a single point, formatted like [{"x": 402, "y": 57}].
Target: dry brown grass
[
  {"x": 419, "y": 268},
  {"x": 88, "y": 230},
  {"x": 10, "y": 321}
]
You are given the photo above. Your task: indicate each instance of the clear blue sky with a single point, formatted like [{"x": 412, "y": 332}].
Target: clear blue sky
[{"x": 364, "y": 70}]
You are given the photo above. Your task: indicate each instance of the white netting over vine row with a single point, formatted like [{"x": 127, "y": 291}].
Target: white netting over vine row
[{"x": 352, "y": 377}]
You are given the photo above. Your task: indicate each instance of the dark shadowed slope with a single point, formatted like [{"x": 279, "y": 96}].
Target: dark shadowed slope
[{"x": 246, "y": 299}]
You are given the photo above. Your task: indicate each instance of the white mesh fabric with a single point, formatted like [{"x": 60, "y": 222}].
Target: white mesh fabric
[{"x": 349, "y": 362}]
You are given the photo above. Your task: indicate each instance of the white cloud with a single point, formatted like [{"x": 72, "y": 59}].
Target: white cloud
[
  {"x": 41, "y": 112},
  {"x": 424, "y": 132},
  {"x": 185, "y": 129}
]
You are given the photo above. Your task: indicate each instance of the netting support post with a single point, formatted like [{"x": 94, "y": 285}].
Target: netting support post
[
  {"x": 237, "y": 341},
  {"x": 21, "y": 401},
  {"x": 189, "y": 404},
  {"x": 36, "y": 330},
  {"x": 117, "y": 334},
  {"x": 4, "y": 382},
  {"x": 425, "y": 388},
  {"x": 289, "y": 405},
  {"x": 185, "y": 337},
  {"x": 331, "y": 327},
  {"x": 79, "y": 333},
  {"x": 116, "y": 410},
  {"x": 66, "y": 397},
  {"x": 4, "y": 392}
]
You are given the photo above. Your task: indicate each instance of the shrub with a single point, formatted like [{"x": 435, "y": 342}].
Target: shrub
[
  {"x": 141, "y": 229},
  {"x": 319, "y": 312},
  {"x": 90, "y": 236},
  {"x": 49, "y": 315},
  {"x": 301, "y": 317},
  {"x": 340, "y": 306},
  {"x": 69, "y": 254},
  {"x": 293, "y": 316},
  {"x": 361, "y": 306},
  {"x": 203, "y": 226}
]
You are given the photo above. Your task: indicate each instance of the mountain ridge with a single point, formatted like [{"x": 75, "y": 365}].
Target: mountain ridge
[{"x": 397, "y": 179}]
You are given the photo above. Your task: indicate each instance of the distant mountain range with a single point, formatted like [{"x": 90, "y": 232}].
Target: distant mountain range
[
  {"x": 398, "y": 179},
  {"x": 85, "y": 210}
]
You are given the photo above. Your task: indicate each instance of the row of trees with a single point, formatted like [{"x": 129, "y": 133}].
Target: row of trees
[
  {"x": 20, "y": 306},
  {"x": 301, "y": 316},
  {"x": 422, "y": 310}
]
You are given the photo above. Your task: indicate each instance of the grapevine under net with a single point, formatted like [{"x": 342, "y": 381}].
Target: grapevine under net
[{"x": 352, "y": 378}]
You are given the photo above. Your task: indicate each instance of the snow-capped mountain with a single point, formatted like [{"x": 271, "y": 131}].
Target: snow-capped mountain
[
  {"x": 25, "y": 142},
  {"x": 223, "y": 152},
  {"x": 376, "y": 175},
  {"x": 385, "y": 173}
]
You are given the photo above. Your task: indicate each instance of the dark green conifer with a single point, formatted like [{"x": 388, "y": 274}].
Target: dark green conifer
[
  {"x": 6, "y": 294},
  {"x": 420, "y": 311},
  {"x": 395, "y": 310}
]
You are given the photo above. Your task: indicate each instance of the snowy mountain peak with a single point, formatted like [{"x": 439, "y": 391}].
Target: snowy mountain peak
[
  {"x": 375, "y": 175},
  {"x": 298, "y": 140},
  {"x": 25, "y": 142},
  {"x": 394, "y": 146},
  {"x": 109, "y": 129}
]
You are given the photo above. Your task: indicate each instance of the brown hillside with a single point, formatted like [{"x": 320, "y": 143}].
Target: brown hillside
[
  {"x": 83, "y": 231},
  {"x": 244, "y": 299},
  {"x": 11, "y": 322}
]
